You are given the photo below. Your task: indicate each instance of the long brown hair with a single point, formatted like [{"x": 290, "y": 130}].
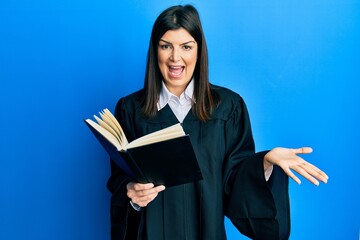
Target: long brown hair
[{"x": 205, "y": 99}]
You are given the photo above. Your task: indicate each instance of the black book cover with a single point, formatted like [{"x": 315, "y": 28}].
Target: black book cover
[{"x": 170, "y": 162}]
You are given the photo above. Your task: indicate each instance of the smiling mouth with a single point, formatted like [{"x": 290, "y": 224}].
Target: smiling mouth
[{"x": 176, "y": 71}]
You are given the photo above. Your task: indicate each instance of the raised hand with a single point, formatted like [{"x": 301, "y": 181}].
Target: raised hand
[{"x": 288, "y": 160}]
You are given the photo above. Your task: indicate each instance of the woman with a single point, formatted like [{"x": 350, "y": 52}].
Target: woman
[{"x": 250, "y": 188}]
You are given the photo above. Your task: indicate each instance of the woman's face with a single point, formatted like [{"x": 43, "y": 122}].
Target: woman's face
[{"x": 177, "y": 55}]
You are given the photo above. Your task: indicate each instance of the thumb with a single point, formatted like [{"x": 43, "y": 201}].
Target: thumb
[{"x": 303, "y": 150}]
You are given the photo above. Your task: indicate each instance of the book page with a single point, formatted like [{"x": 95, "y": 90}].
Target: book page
[
  {"x": 116, "y": 125},
  {"x": 171, "y": 132},
  {"x": 109, "y": 136},
  {"x": 110, "y": 123},
  {"x": 107, "y": 127},
  {"x": 110, "y": 128}
]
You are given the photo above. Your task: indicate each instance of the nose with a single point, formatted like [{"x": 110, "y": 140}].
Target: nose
[{"x": 175, "y": 55}]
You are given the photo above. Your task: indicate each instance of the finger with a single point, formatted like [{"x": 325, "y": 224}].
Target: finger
[
  {"x": 320, "y": 173},
  {"x": 138, "y": 186},
  {"x": 145, "y": 200},
  {"x": 312, "y": 169},
  {"x": 145, "y": 192},
  {"x": 292, "y": 175},
  {"x": 305, "y": 174},
  {"x": 160, "y": 188},
  {"x": 303, "y": 150},
  {"x": 315, "y": 172},
  {"x": 130, "y": 185},
  {"x": 143, "y": 186},
  {"x": 153, "y": 190},
  {"x": 137, "y": 189}
]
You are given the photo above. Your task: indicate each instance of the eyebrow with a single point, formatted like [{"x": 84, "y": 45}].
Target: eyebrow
[{"x": 192, "y": 41}]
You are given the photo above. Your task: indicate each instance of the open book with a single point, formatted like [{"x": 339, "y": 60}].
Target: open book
[{"x": 162, "y": 157}]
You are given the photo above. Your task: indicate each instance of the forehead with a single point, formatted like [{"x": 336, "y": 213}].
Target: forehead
[{"x": 177, "y": 36}]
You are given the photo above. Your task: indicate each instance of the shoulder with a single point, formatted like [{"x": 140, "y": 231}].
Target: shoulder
[
  {"x": 131, "y": 102},
  {"x": 230, "y": 103},
  {"x": 134, "y": 97},
  {"x": 226, "y": 94}
]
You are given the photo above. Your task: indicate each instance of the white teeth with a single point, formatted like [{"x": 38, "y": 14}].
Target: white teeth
[
  {"x": 175, "y": 71},
  {"x": 176, "y": 74}
]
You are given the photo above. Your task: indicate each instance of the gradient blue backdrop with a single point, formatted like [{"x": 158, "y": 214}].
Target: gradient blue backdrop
[{"x": 296, "y": 63}]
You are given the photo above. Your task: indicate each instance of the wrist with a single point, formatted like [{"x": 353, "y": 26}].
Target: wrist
[
  {"x": 135, "y": 206},
  {"x": 267, "y": 163}
]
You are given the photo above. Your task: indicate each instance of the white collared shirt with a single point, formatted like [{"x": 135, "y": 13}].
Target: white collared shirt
[{"x": 179, "y": 105}]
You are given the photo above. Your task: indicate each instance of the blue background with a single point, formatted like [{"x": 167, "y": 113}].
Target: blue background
[{"x": 296, "y": 63}]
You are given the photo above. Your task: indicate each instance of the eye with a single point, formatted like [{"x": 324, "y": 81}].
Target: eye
[
  {"x": 164, "y": 46},
  {"x": 187, "y": 47}
]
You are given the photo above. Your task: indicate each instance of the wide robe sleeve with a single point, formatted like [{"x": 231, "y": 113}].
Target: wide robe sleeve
[
  {"x": 257, "y": 208},
  {"x": 124, "y": 219}
]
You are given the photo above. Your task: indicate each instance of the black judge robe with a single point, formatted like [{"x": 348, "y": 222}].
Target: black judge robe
[{"x": 234, "y": 184}]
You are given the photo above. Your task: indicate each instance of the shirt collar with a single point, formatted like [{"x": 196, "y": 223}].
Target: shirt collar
[{"x": 166, "y": 95}]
